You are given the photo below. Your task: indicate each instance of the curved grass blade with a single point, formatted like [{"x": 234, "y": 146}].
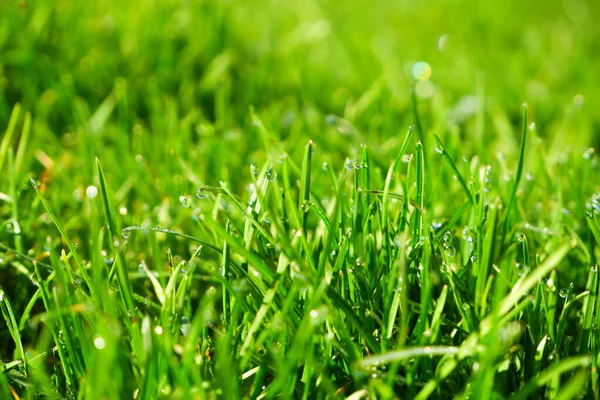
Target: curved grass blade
[
  {"x": 64, "y": 235},
  {"x": 513, "y": 195}
]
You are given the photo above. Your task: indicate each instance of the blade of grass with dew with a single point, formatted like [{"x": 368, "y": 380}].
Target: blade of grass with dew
[
  {"x": 554, "y": 371},
  {"x": 525, "y": 284},
  {"x": 80, "y": 266},
  {"x": 15, "y": 204},
  {"x": 13, "y": 328},
  {"x": 519, "y": 174},
  {"x": 111, "y": 222},
  {"x": 304, "y": 198},
  {"x": 420, "y": 196}
]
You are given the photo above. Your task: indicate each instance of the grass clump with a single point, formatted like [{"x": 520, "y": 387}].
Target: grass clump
[{"x": 226, "y": 216}]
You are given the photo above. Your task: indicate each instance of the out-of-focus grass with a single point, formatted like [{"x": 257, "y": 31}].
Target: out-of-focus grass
[{"x": 260, "y": 265}]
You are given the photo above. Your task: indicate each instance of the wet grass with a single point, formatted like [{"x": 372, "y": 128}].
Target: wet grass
[{"x": 284, "y": 207}]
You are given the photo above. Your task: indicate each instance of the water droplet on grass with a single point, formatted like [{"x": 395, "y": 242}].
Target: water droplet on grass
[
  {"x": 348, "y": 164},
  {"x": 201, "y": 193},
  {"x": 91, "y": 191},
  {"x": 184, "y": 201},
  {"x": 521, "y": 237},
  {"x": 447, "y": 236},
  {"x": 529, "y": 176},
  {"x": 450, "y": 251},
  {"x": 271, "y": 174},
  {"x": 589, "y": 214},
  {"x": 99, "y": 342},
  {"x": 563, "y": 293},
  {"x": 254, "y": 169}
]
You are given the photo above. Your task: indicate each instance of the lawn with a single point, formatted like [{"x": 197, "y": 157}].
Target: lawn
[{"x": 299, "y": 199}]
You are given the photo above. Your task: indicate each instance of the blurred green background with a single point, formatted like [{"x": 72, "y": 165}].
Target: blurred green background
[{"x": 201, "y": 54}]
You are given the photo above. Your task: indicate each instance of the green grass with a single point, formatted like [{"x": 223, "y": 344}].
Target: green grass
[{"x": 276, "y": 200}]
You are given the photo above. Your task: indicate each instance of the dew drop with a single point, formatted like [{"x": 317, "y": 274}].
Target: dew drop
[
  {"x": 271, "y": 174},
  {"x": 99, "y": 342},
  {"x": 563, "y": 293},
  {"x": 447, "y": 236},
  {"x": 348, "y": 164},
  {"x": 594, "y": 268},
  {"x": 450, "y": 251},
  {"x": 184, "y": 201},
  {"x": 91, "y": 191},
  {"x": 438, "y": 150},
  {"x": 521, "y": 237},
  {"x": 201, "y": 193},
  {"x": 254, "y": 169},
  {"x": 589, "y": 153},
  {"x": 589, "y": 214}
]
